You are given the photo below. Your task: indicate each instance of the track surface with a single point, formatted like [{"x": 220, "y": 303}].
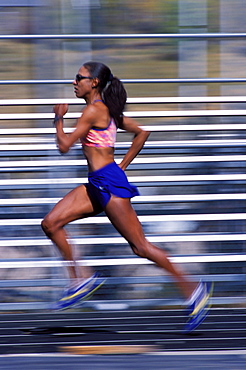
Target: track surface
[{"x": 219, "y": 342}]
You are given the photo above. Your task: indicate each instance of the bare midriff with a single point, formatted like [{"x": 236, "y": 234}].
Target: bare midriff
[{"x": 98, "y": 157}]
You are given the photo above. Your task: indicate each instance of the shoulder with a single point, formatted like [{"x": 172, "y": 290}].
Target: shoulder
[
  {"x": 95, "y": 110},
  {"x": 90, "y": 110},
  {"x": 88, "y": 115}
]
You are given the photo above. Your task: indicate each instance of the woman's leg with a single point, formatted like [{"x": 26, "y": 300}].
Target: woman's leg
[
  {"x": 124, "y": 219},
  {"x": 75, "y": 205}
]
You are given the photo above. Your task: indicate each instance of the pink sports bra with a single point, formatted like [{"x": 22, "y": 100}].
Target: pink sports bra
[{"x": 101, "y": 138}]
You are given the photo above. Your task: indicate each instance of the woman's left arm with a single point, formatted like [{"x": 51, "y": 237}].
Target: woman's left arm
[
  {"x": 140, "y": 136},
  {"x": 83, "y": 125}
]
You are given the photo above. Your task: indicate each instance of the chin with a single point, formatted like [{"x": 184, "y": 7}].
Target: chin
[{"x": 78, "y": 95}]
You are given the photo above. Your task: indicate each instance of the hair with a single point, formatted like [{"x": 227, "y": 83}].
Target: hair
[{"x": 111, "y": 88}]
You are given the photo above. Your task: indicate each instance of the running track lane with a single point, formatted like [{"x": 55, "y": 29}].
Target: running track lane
[{"x": 51, "y": 332}]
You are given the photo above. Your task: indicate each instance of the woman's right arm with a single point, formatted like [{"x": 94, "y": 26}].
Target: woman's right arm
[{"x": 140, "y": 136}]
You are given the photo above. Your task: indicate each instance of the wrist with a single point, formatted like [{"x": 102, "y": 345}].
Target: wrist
[
  {"x": 57, "y": 118},
  {"x": 122, "y": 166}
]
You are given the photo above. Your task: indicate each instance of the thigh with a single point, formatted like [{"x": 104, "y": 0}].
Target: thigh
[
  {"x": 75, "y": 205},
  {"x": 124, "y": 218}
]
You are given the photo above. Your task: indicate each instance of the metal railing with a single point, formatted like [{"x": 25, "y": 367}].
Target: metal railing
[{"x": 157, "y": 36}]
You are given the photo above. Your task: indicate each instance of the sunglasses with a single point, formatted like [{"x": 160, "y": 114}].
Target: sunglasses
[{"x": 79, "y": 77}]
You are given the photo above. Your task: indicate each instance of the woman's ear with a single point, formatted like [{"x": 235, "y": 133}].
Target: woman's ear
[{"x": 95, "y": 83}]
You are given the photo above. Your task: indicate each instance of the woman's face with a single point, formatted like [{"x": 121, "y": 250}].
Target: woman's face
[{"x": 83, "y": 83}]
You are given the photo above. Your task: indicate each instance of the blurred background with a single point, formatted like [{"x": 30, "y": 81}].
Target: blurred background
[{"x": 191, "y": 216}]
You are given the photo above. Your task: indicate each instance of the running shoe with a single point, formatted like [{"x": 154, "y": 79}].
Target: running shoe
[
  {"x": 195, "y": 298},
  {"x": 83, "y": 291},
  {"x": 198, "y": 306}
]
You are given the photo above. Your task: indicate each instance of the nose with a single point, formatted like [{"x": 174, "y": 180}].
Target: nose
[{"x": 74, "y": 82}]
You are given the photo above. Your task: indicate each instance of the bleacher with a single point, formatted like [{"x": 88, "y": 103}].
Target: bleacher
[{"x": 192, "y": 180}]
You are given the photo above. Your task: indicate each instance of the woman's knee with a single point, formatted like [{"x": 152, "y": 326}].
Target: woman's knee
[
  {"x": 140, "y": 249},
  {"x": 48, "y": 225}
]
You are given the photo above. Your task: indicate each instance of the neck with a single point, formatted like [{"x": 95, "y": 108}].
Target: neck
[{"x": 93, "y": 99}]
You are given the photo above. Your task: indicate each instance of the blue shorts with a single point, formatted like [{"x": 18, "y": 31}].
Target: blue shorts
[{"x": 109, "y": 180}]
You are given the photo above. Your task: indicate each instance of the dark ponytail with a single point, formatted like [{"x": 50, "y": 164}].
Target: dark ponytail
[{"x": 112, "y": 90}]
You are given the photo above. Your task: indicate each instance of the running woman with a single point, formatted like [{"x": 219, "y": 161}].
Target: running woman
[{"x": 108, "y": 188}]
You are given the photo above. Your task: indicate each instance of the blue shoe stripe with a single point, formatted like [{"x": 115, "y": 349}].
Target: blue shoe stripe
[{"x": 196, "y": 321}]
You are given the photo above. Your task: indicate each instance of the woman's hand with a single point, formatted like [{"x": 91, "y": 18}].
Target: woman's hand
[{"x": 60, "y": 109}]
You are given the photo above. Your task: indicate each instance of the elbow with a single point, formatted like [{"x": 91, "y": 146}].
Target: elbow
[
  {"x": 62, "y": 145},
  {"x": 142, "y": 136},
  {"x": 63, "y": 149},
  {"x": 145, "y": 134}
]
